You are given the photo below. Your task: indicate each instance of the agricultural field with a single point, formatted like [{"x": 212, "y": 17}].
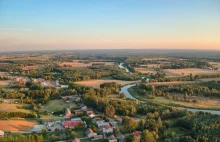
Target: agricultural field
[
  {"x": 4, "y": 82},
  {"x": 156, "y": 59},
  {"x": 30, "y": 68},
  {"x": 145, "y": 70},
  {"x": 3, "y": 73},
  {"x": 203, "y": 103},
  {"x": 79, "y": 64},
  {"x": 215, "y": 64},
  {"x": 17, "y": 125},
  {"x": 97, "y": 83},
  {"x": 8, "y": 106},
  {"x": 187, "y": 71}
]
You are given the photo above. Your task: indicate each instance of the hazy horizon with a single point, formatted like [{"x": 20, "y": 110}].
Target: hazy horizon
[{"x": 126, "y": 24}]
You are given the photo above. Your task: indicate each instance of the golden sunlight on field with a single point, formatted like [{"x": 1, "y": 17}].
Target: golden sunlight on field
[
  {"x": 187, "y": 71},
  {"x": 97, "y": 83},
  {"x": 16, "y": 125}
]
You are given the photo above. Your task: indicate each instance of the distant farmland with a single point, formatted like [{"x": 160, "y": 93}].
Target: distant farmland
[
  {"x": 97, "y": 83},
  {"x": 76, "y": 64},
  {"x": 187, "y": 71}
]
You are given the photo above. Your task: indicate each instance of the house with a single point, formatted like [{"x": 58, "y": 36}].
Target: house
[
  {"x": 98, "y": 120},
  {"x": 76, "y": 140},
  {"x": 119, "y": 119},
  {"x": 98, "y": 137},
  {"x": 79, "y": 111},
  {"x": 84, "y": 108},
  {"x": 107, "y": 129},
  {"x": 72, "y": 123},
  {"x": 2, "y": 133},
  {"x": 68, "y": 113},
  {"x": 90, "y": 133},
  {"x": 90, "y": 113},
  {"x": 112, "y": 138},
  {"x": 24, "y": 89},
  {"x": 137, "y": 133},
  {"x": 103, "y": 124}
]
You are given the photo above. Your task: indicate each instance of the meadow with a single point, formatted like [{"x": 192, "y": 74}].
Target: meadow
[
  {"x": 188, "y": 71},
  {"x": 97, "y": 83}
]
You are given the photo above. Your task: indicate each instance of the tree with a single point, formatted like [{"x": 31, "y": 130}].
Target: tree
[
  {"x": 129, "y": 123},
  {"x": 73, "y": 134},
  {"x": 136, "y": 139},
  {"x": 44, "y": 131},
  {"x": 147, "y": 136},
  {"x": 109, "y": 111}
]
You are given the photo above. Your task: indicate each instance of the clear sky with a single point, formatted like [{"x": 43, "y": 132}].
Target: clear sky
[{"x": 108, "y": 24}]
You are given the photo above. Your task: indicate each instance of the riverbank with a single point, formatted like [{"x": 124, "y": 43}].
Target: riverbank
[{"x": 126, "y": 88}]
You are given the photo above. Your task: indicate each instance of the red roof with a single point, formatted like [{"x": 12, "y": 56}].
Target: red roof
[
  {"x": 107, "y": 127},
  {"x": 111, "y": 137},
  {"x": 71, "y": 123},
  {"x": 137, "y": 133},
  {"x": 76, "y": 140}
]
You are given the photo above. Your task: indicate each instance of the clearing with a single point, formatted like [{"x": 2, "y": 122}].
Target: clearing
[
  {"x": 78, "y": 64},
  {"x": 145, "y": 70},
  {"x": 17, "y": 125},
  {"x": 203, "y": 103},
  {"x": 54, "y": 105},
  {"x": 8, "y": 106},
  {"x": 4, "y": 82},
  {"x": 187, "y": 71},
  {"x": 97, "y": 83},
  {"x": 215, "y": 64}
]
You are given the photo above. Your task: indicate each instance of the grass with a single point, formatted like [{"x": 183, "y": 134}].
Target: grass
[
  {"x": 11, "y": 107},
  {"x": 98, "y": 82},
  {"x": 187, "y": 71},
  {"x": 4, "y": 82},
  {"x": 146, "y": 70},
  {"x": 54, "y": 105},
  {"x": 77, "y": 64},
  {"x": 203, "y": 103},
  {"x": 17, "y": 125},
  {"x": 215, "y": 64}
]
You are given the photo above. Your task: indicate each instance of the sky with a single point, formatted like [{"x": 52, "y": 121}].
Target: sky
[{"x": 109, "y": 24}]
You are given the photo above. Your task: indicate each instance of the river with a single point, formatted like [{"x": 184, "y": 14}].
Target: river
[
  {"x": 122, "y": 67},
  {"x": 128, "y": 95}
]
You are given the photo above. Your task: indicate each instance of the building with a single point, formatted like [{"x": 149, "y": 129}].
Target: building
[
  {"x": 136, "y": 133},
  {"x": 72, "y": 123},
  {"x": 107, "y": 129},
  {"x": 76, "y": 140},
  {"x": 2, "y": 133},
  {"x": 24, "y": 89},
  {"x": 103, "y": 124},
  {"x": 79, "y": 111},
  {"x": 98, "y": 137},
  {"x": 90, "y": 133},
  {"x": 68, "y": 113},
  {"x": 112, "y": 138}
]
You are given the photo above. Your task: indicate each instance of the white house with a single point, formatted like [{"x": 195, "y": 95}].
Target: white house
[
  {"x": 103, "y": 124},
  {"x": 107, "y": 129},
  {"x": 2, "y": 133},
  {"x": 90, "y": 133}
]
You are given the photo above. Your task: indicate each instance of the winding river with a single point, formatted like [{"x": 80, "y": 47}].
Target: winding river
[
  {"x": 128, "y": 95},
  {"x": 122, "y": 67}
]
